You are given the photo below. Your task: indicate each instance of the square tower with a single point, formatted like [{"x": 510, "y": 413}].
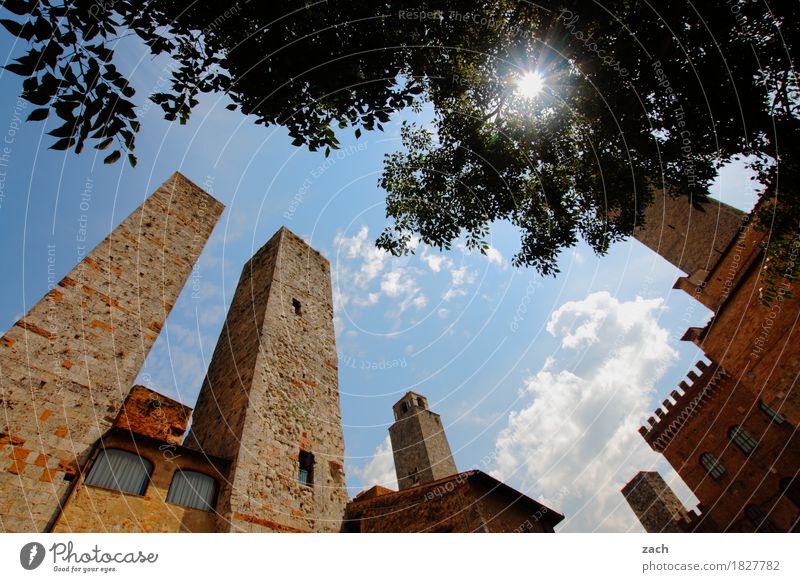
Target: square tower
[
  {"x": 656, "y": 506},
  {"x": 68, "y": 364},
  {"x": 270, "y": 400},
  {"x": 421, "y": 451}
]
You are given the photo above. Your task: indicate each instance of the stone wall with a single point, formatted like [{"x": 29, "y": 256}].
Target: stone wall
[
  {"x": 272, "y": 391},
  {"x": 656, "y": 506},
  {"x": 67, "y": 365}
]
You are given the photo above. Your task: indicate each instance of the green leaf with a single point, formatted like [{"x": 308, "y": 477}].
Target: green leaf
[
  {"x": 112, "y": 157},
  {"x": 39, "y": 114},
  {"x": 63, "y": 144},
  {"x": 358, "y": 132},
  {"x": 132, "y": 160},
  {"x": 231, "y": 107},
  {"x": 104, "y": 144}
]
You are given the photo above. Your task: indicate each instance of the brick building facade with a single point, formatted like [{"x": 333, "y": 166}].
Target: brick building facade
[{"x": 730, "y": 431}]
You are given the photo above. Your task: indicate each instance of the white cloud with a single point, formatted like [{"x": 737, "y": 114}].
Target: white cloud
[
  {"x": 575, "y": 443},
  {"x": 496, "y": 257},
  {"x": 364, "y": 274},
  {"x": 380, "y": 468},
  {"x": 435, "y": 261}
]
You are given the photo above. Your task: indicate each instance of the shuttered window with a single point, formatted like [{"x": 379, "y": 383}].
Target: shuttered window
[
  {"x": 712, "y": 465},
  {"x": 771, "y": 412},
  {"x": 120, "y": 470},
  {"x": 192, "y": 489},
  {"x": 742, "y": 439},
  {"x": 761, "y": 520}
]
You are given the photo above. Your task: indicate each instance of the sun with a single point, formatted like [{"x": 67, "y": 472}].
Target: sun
[{"x": 530, "y": 84}]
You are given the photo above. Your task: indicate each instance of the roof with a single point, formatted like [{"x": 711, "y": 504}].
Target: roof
[{"x": 381, "y": 497}]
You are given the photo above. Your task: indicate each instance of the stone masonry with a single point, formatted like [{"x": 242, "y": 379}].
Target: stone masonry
[
  {"x": 67, "y": 365},
  {"x": 270, "y": 401},
  {"x": 419, "y": 444},
  {"x": 655, "y": 505}
]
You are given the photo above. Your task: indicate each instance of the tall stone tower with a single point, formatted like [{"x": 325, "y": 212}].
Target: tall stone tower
[
  {"x": 421, "y": 451},
  {"x": 68, "y": 364},
  {"x": 654, "y": 503},
  {"x": 270, "y": 400},
  {"x": 692, "y": 237}
]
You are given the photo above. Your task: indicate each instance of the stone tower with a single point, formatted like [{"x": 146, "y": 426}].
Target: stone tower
[
  {"x": 692, "y": 237},
  {"x": 655, "y": 504},
  {"x": 420, "y": 448},
  {"x": 270, "y": 400},
  {"x": 68, "y": 364}
]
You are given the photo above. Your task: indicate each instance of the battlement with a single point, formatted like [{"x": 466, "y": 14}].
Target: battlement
[{"x": 692, "y": 394}]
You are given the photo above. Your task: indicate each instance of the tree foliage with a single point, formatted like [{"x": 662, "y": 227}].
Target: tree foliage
[{"x": 635, "y": 97}]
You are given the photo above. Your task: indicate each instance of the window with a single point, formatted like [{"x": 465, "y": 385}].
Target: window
[
  {"x": 305, "y": 474},
  {"x": 761, "y": 520},
  {"x": 771, "y": 412},
  {"x": 404, "y": 407},
  {"x": 790, "y": 487},
  {"x": 712, "y": 465},
  {"x": 298, "y": 309},
  {"x": 120, "y": 470},
  {"x": 192, "y": 489},
  {"x": 421, "y": 402},
  {"x": 742, "y": 439}
]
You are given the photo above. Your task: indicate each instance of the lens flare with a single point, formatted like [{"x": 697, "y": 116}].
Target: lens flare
[{"x": 530, "y": 84}]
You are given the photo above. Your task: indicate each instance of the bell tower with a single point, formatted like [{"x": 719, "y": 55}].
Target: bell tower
[{"x": 421, "y": 451}]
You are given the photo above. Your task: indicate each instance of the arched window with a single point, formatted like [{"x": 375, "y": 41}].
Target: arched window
[
  {"x": 742, "y": 439},
  {"x": 771, "y": 412},
  {"x": 712, "y": 465},
  {"x": 192, "y": 489},
  {"x": 761, "y": 520},
  {"x": 120, "y": 470}
]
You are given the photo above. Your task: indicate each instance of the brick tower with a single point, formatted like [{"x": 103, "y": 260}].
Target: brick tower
[
  {"x": 654, "y": 503},
  {"x": 421, "y": 451},
  {"x": 692, "y": 237},
  {"x": 270, "y": 400},
  {"x": 68, "y": 364}
]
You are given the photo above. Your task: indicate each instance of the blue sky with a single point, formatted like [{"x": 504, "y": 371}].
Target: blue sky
[{"x": 540, "y": 381}]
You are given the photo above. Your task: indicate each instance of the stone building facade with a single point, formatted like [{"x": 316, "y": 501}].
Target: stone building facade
[
  {"x": 729, "y": 430},
  {"x": 150, "y": 426},
  {"x": 68, "y": 364}
]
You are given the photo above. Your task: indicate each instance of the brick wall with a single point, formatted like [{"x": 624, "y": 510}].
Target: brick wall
[{"x": 690, "y": 236}]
